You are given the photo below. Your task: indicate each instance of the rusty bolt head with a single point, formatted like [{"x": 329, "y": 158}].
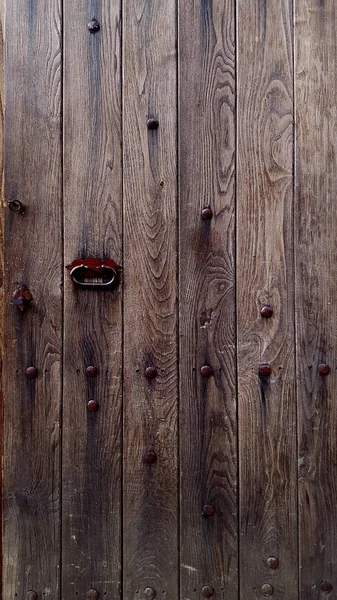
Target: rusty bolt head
[
  {"x": 208, "y": 509},
  {"x": 31, "y": 372},
  {"x": 326, "y": 587},
  {"x": 22, "y": 298},
  {"x": 272, "y": 562},
  {"x": 150, "y": 457},
  {"x": 92, "y": 405},
  {"x": 207, "y": 213},
  {"x": 267, "y": 589},
  {"x": 149, "y": 593},
  {"x": 324, "y": 369},
  {"x": 94, "y": 26},
  {"x": 151, "y": 372},
  {"x": 91, "y": 371},
  {"x": 207, "y": 591},
  {"x": 206, "y": 371},
  {"x": 16, "y": 206},
  {"x": 31, "y": 595},
  {"x": 264, "y": 370},
  {"x": 266, "y": 311},
  {"x": 92, "y": 594},
  {"x": 152, "y": 124}
]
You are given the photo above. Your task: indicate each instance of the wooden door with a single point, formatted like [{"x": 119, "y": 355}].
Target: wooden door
[{"x": 170, "y": 407}]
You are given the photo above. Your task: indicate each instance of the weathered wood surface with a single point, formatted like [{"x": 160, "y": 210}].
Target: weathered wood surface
[
  {"x": 316, "y": 280},
  {"x": 91, "y": 467},
  {"x": 33, "y": 242},
  {"x": 266, "y": 406},
  {"x": 208, "y": 443},
  {"x": 150, "y": 495}
]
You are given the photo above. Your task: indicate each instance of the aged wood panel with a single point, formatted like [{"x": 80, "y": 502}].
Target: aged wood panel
[
  {"x": 208, "y": 444},
  {"x": 33, "y": 256},
  {"x": 267, "y": 404},
  {"x": 150, "y": 498},
  {"x": 91, "y": 470},
  {"x": 316, "y": 277}
]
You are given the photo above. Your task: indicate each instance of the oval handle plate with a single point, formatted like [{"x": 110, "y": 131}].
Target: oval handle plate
[{"x": 95, "y": 273}]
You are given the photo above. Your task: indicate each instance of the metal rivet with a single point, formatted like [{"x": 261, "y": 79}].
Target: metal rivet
[
  {"x": 266, "y": 311},
  {"x": 16, "y": 206},
  {"x": 324, "y": 369},
  {"x": 92, "y": 405},
  {"x": 31, "y": 372},
  {"x": 207, "y": 213},
  {"x": 149, "y": 593},
  {"x": 150, "y": 457},
  {"x": 326, "y": 587},
  {"x": 208, "y": 509},
  {"x": 206, "y": 371},
  {"x": 152, "y": 123},
  {"x": 31, "y": 595},
  {"x": 207, "y": 591},
  {"x": 94, "y": 26},
  {"x": 151, "y": 372},
  {"x": 267, "y": 589},
  {"x": 272, "y": 562},
  {"x": 92, "y": 594},
  {"x": 264, "y": 370},
  {"x": 91, "y": 371}
]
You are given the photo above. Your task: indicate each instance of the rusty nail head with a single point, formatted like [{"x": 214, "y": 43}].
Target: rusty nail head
[
  {"x": 31, "y": 595},
  {"x": 324, "y": 369},
  {"x": 265, "y": 370},
  {"x": 272, "y": 562},
  {"x": 21, "y": 298},
  {"x": 150, "y": 457},
  {"x": 149, "y": 593},
  {"x": 267, "y": 589},
  {"x": 266, "y": 311},
  {"x": 94, "y": 26},
  {"x": 31, "y": 372},
  {"x": 16, "y": 206},
  {"x": 326, "y": 587},
  {"x": 207, "y": 213},
  {"x": 91, "y": 371},
  {"x": 152, "y": 123},
  {"x": 206, "y": 371},
  {"x": 151, "y": 372},
  {"x": 207, "y": 591},
  {"x": 92, "y": 405},
  {"x": 208, "y": 509},
  {"x": 92, "y": 594}
]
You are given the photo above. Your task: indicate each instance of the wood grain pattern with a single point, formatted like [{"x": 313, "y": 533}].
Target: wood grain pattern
[
  {"x": 316, "y": 276},
  {"x": 91, "y": 470},
  {"x": 150, "y": 321},
  {"x": 267, "y": 407},
  {"x": 33, "y": 256},
  {"x": 208, "y": 445}
]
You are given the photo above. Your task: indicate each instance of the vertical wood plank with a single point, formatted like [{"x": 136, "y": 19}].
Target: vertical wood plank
[
  {"x": 316, "y": 276},
  {"x": 267, "y": 405},
  {"x": 208, "y": 444},
  {"x": 150, "y": 322},
  {"x": 33, "y": 256},
  {"x": 91, "y": 470}
]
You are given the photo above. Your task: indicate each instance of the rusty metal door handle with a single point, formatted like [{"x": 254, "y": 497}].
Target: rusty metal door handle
[{"x": 103, "y": 273}]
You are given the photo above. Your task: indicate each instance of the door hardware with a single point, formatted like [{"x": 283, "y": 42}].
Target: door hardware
[{"x": 95, "y": 273}]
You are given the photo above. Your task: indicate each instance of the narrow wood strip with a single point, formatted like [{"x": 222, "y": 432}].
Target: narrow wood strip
[
  {"x": 316, "y": 308},
  {"x": 208, "y": 444},
  {"x": 150, "y": 320},
  {"x": 33, "y": 256},
  {"x": 91, "y": 469},
  {"x": 267, "y": 403}
]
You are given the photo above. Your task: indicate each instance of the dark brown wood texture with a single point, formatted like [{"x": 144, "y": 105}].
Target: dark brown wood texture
[
  {"x": 150, "y": 503},
  {"x": 91, "y": 465},
  {"x": 208, "y": 443},
  {"x": 316, "y": 280},
  {"x": 266, "y": 405},
  {"x": 33, "y": 242}
]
